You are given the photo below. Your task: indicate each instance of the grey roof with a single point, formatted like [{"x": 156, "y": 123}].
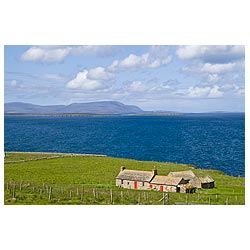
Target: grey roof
[
  {"x": 207, "y": 179},
  {"x": 166, "y": 180},
  {"x": 135, "y": 175},
  {"x": 186, "y": 175}
]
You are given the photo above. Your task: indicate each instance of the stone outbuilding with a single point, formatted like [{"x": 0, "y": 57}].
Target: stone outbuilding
[
  {"x": 193, "y": 180},
  {"x": 186, "y": 175},
  {"x": 200, "y": 182},
  {"x": 167, "y": 183}
]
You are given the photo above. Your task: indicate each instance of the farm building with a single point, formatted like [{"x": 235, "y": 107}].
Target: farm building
[
  {"x": 134, "y": 179},
  {"x": 200, "y": 182},
  {"x": 183, "y": 181},
  {"x": 193, "y": 180},
  {"x": 145, "y": 180},
  {"x": 186, "y": 175},
  {"x": 167, "y": 183}
]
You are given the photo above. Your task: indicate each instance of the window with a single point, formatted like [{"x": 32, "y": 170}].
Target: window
[
  {"x": 143, "y": 183},
  {"x": 121, "y": 181}
]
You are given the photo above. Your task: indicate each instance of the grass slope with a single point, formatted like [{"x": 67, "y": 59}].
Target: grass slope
[{"x": 91, "y": 180}]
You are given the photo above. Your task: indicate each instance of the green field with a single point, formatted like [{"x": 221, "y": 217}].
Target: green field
[{"x": 89, "y": 180}]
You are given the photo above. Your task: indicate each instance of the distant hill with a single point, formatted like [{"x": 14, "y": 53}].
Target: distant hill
[{"x": 104, "y": 107}]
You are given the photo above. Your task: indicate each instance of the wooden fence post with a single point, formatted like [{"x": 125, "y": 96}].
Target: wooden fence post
[
  {"x": 70, "y": 194},
  {"x": 82, "y": 193},
  {"x": 14, "y": 191},
  {"x": 50, "y": 193},
  {"x": 163, "y": 198},
  {"x": 139, "y": 198},
  {"x": 111, "y": 196},
  {"x": 96, "y": 194},
  {"x": 77, "y": 191}
]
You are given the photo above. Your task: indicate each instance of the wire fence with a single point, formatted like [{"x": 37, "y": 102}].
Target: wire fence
[{"x": 31, "y": 193}]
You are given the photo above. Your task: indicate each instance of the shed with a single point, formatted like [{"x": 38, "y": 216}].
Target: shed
[
  {"x": 186, "y": 175},
  {"x": 200, "y": 182},
  {"x": 207, "y": 182}
]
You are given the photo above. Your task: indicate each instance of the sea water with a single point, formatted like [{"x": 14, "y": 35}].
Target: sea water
[{"x": 210, "y": 141}]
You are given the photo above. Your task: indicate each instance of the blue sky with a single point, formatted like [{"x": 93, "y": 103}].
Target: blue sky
[{"x": 177, "y": 78}]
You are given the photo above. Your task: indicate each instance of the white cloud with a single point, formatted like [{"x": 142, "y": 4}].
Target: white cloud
[
  {"x": 136, "y": 86},
  {"x": 217, "y": 68},
  {"x": 81, "y": 81},
  {"x": 211, "y": 53},
  {"x": 53, "y": 53},
  {"x": 215, "y": 92},
  {"x": 146, "y": 60},
  {"x": 205, "y": 91},
  {"x": 41, "y": 54},
  {"x": 99, "y": 73}
]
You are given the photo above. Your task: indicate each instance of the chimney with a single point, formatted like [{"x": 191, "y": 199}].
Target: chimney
[
  {"x": 154, "y": 171},
  {"x": 122, "y": 168}
]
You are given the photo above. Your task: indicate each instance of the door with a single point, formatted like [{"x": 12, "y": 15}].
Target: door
[
  {"x": 161, "y": 188},
  {"x": 135, "y": 184}
]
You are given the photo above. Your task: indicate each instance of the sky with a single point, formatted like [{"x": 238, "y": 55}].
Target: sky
[{"x": 171, "y": 78}]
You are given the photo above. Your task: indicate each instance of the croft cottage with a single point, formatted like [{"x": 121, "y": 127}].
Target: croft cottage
[{"x": 182, "y": 181}]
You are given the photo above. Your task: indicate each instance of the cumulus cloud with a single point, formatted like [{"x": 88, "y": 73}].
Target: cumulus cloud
[
  {"x": 81, "y": 81},
  {"x": 152, "y": 59},
  {"x": 51, "y": 54},
  {"x": 205, "y": 91},
  {"x": 212, "y": 53},
  {"x": 44, "y": 54},
  {"x": 99, "y": 73},
  {"x": 217, "y": 68}
]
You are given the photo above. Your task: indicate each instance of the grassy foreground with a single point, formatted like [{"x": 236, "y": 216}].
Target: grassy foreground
[{"x": 76, "y": 179}]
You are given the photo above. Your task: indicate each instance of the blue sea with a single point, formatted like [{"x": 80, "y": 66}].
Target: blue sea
[{"x": 210, "y": 141}]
